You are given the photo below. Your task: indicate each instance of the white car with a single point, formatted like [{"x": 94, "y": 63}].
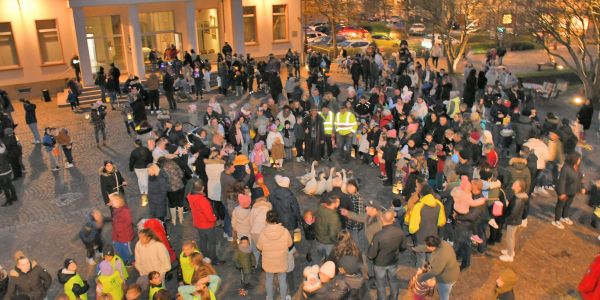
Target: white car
[
  {"x": 428, "y": 43},
  {"x": 312, "y": 36},
  {"x": 416, "y": 29},
  {"x": 355, "y": 46}
]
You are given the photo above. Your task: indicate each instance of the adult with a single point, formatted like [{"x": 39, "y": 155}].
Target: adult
[
  {"x": 327, "y": 225},
  {"x": 97, "y": 115},
  {"x": 158, "y": 186},
  {"x": 444, "y": 267},
  {"x": 91, "y": 235},
  {"x": 424, "y": 217},
  {"x": 175, "y": 193},
  {"x": 204, "y": 221},
  {"x": 14, "y": 151},
  {"x": 101, "y": 83},
  {"x": 569, "y": 184},
  {"x": 153, "y": 84},
  {"x": 168, "y": 82},
  {"x": 75, "y": 287},
  {"x": 585, "y": 114},
  {"x": 64, "y": 141},
  {"x": 285, "y": 203},
  {"x": 345, "y": 127},
  {"x": 470, "y": 88},
  {"x": 150, "y": 255},
  {"x": 383, "y": 251},
  {"x": 357, "y": 205},
  {"x": 514, "y": 217},
  {"x": 274, "y": 242},
  {"x": 111, "y": 181},
  {"x": 76, "y": 67},
  {"x": 31, "y": 120},
  {"x": 28, "y": 280},
  {"x": 139, "y": 159},
  {"x": 258, "y": 217},
  {"x": 122, "y": 228},
  {"x": 315, "y": 136}
]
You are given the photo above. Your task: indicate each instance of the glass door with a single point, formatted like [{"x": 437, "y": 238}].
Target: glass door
[
  {"x": 105, "y": 45},
  {"x": 207, "y": 21}
]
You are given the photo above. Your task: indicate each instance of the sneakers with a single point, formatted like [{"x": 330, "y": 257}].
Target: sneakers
[
  {"x": 566, "y": 221},
  {"x": 90, "y": 261},
  {"x": 55, "y": 169},
  {"x": 492, "y": 222},
  {"x": 506, "y": 258},
  {"x": 504, "y": 252},
  {"x": 36, "y": 142},
  {"x": 558, "y": 224},
  {"x": 69, "y": 165},
  {"x": 524, "y": 223},
  {"x": 476, "y": 239}
]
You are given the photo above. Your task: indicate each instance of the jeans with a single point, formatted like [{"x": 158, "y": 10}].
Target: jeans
[
  {"x": 171, "y": 99},
  {"x": 562, "y": 208},
  {"x": 35, "y": 131},
  {"x": 328, "y": 146},
  {"x": 361, "y": 239},
  {"x": 52, "y": 159},
  {"x": 208, "y": 242},
  {"x": 444, "y": 289},
  {"x": 511, "y": 233},
  {"x": 345, "y": 146},
  {"x": 68, "y": 151},
  {"x": 281, "y": 277},
  {"x": 130, "y": 127},
  {"x": 154, "y": 96},
  {"x": 8, "y": 188},
  {"x": 113, "y": 99},
  {"x": 97, "y": 131},
  {"x": 124, "y": 251},
  {"x": 93, "y": 246},
  {"x": 422, "y": 258},
  {"x": 142, "y": 176},
  {"x": 462, "y": 245},
  {"x": 383, "y": 276},
  {"x": 322, "y": 250}
]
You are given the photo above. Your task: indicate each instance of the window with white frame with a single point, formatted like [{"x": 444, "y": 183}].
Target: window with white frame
[
  {"x": 280, "y": 30},
  {"x": 250, "y": 25},
  {"x": 8, "y": 49},
  {"x": 49, "y": 41}
]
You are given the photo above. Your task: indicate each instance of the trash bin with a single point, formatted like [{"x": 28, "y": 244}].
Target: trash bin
[{"x": 46, "y": 95}]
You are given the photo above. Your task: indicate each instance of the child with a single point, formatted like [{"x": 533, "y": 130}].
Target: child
[
  {"x": 308, "y": 226},
  {"x": 72, "y": 99},
  {"x": 155, "y": 284},
  {"x": 244, "y": 261},
  {"x": 259, "y": 155},
  {"x": 127, "y": 113},
  {"x": 260, "y": 183},
  {"x": 277, "y": 153},
  {"x": 422, "y": 290},
  {"x": 186, "y": 269},
  {"x": 91, "y": 235},
  {"x": 240, "y": 217},
  {"x": 299, "y": 135},
  {"x": 109, "y": 281},
  {"x": 363, "y": 144},
  {"x": 289, "y": 139},
  {"x": 75, "y": 286}
]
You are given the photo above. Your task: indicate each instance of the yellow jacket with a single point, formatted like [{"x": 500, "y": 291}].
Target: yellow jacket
[
  {"x": 415, "y": 215},
  {"x": 345, "y": 123}
]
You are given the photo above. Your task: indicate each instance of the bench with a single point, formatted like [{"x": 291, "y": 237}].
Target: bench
[
  {"x": 549, "y": 90},
  {"x": 546, "y": 64}
]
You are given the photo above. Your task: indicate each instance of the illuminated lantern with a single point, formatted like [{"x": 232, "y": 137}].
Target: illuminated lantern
[
  {"x": 372, "y": 151},
  {"x": 297, "y": 235}
]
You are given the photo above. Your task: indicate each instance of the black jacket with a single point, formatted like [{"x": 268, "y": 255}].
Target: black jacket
[
  {"x": 140, "y": 158},
  {"x": 110, "y": 183},
  {"x": 585, "y": 115},
  {"x": 569, "y": 181},
  {"x": 286, "y": 205},
  {"x": 64, "y": 276},
  {"x": 386, "y": 245},
  {"x": 523, "y": 129},
  {"x": 168, "y": 82},
  {"x": 514, "y": 211},
  {"x": 34, "y": 284},
  {"x": 30, "y": 113},
  {"x": 158, "y": 186}
]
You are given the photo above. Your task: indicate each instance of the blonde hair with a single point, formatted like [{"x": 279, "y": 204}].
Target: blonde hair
[
  {"x": 153, "y": 170},
  {"x": 116, "y": 200}
]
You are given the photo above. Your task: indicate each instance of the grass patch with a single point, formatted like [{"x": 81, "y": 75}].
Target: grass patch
[{"x": 550, "y": 75}]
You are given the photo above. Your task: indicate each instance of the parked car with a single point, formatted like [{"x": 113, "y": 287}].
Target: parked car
[
  {"x": 384, "y": 42},
  {"x": 353, "y": 47},
  {"x": 312, "y": 35},
  {"x": 416, "y": 29},
  {"x": 428, "y": 43},
  {"x": 394, "y": 19},
  {"x": 353, "y": 32}
]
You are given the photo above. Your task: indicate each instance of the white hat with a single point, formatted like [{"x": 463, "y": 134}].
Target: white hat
[{"x": 282, "y": 181}]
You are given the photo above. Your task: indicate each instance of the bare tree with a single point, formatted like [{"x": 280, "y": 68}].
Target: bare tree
[
  {"x": 334, "y": 11},
  {"x": 443, "y": 15},
  {"x": 574, "y": 25}
]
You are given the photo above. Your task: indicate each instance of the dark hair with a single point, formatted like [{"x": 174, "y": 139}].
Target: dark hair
[
  {"x": 433, "y": 241},
  {"x": 397, "y": 202},
  {"x": 153, "y": 274},
  {"x": 572, "y": 158},
  {"x": 162, "y": 294},
  {"x": 149, "y": 233},
  {"x": 138, "y": 142},
  {"x": 272, "y": 217},
  {"x": 354, "y": 183},
  {"x": 199, "y": 186},
  {"x": 329, "y": 199},
  {"x": 244, "y": 238}
]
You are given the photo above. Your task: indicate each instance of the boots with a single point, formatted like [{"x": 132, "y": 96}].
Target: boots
[
  {"x": 172, "y": 211},
  {"x": 180, "y": 214}
]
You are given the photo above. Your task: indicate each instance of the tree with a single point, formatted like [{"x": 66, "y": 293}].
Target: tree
[
  {"x": 334, "y": 11},
  {"x": 574, "y": 25},
  {"x": 443, "y": 16}
]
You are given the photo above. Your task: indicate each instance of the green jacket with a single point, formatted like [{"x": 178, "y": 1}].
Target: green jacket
[
  {"x": 244, "y": 259},
  {"x": 327, "y": 225},
  {"x": 373, "y": 224},
  {"x": 444, "y": 266}
]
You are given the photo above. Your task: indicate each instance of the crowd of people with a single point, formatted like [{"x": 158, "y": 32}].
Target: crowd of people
[{"x": 462, "y": 171}]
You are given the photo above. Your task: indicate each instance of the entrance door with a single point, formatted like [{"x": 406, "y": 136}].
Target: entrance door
[
  {"x": 103, "y": 36},
  {"x": 209, "y": 42},
  {"x": 161, "y": 41}
]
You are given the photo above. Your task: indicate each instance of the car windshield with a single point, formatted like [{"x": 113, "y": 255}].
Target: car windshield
[{"x": 344, "y": 44}]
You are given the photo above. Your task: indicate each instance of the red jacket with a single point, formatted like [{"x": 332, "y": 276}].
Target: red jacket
[
  {"x": 122, "y": 231},
  {"x": 589, "y": 287},
  {"x": 156, "y": 226},
  {"x": 492, "y": 158},
  {"x": 202, "y": 212}
]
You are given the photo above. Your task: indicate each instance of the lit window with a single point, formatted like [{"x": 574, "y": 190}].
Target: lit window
[
  {"x": 280, "y": 22},
  {"x": 8, "y": 49},
  {"x": 250, "y": 24},
  {"x": 49, "y": 40}
]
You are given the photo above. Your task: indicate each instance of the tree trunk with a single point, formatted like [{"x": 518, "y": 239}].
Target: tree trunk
[
  {"x": 592, "y": 92},
  {"x": 334, "y": 38}
]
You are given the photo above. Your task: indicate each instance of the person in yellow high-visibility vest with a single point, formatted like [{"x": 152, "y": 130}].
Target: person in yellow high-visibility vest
[
  {"x": 75, "y": 286},
  {"x": 328, "y": 117},
  {"x": 109, "y": 281},
  {"x": 345, "y": 128}
]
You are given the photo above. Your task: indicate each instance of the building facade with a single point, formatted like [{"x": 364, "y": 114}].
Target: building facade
[{"x": 38, "y": 38}]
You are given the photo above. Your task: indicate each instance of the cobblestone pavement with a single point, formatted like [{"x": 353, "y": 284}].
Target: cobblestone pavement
[{"x": 45, "y": 221}]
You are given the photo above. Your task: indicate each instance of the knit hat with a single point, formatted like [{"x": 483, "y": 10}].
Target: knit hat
[
  {"x": 328, "y": 269},
  {"x": 282, "y": 181},
  {"x": 108, "y": 251},
  {"x": 244, "y": 200},
  {"x": 273, "y": 127},
  {"x": 392, "y": 134},
  {"x": 259, "y": 176},
  {"x": 68, "y": 262},
  {"x": 105, "y": 268},
  {"x": 350, "y": 264},
  {"x": 475, "y": 135},
  {"x": 241, "y": 160}
]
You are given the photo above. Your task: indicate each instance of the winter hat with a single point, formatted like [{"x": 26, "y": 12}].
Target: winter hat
[
  {"x": 105, "y": 268},
  {"x": 350, "y": 264},
  {"x": 282, "y": 181},
  {"x": 244, "y": 200},
  {"x": 327, "y": 269},
  {"x": 273, "y": 127},
  {"x": 475, "y": 135},
  {"x": 392, "y": 134},
  {"x": 259, "y": 176},
  {"x": 68, "y": 262}
]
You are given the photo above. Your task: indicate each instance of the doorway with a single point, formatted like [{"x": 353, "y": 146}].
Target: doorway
[
  {"x": 105, "y": 44},
  {"x": 207, "y": 21}
]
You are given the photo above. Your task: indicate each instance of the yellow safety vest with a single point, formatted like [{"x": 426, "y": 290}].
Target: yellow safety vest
[
  {"x": 123, "y": 269},
  {"x": 112, "y": 284},
  {"x": 327, "y": 122},
  {"x": 153, "y": 290},
  {"x": 456, "y": 110},
  {"x": 75, "y": 279},
  {"x": 348, "y": 126},
  {"x": 187, "y": 270}
]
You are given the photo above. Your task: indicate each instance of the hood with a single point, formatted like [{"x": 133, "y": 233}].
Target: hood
[
  {"x": 64, "y": 275},
  {"x": 262, "y": 203},
  {"x": 274, "y": 232},
  {"x": 103, "y": 171},
  {"x": 243, "y": 214},
  {"x": 510, "y": 279},
  {"x": 429, "y": 200},
  {"x": 16, "y": 272},
  {"x": 518, "y": 162}
]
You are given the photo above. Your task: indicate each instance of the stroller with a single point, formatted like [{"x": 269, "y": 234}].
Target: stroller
[{"x": 182, "y": 90}]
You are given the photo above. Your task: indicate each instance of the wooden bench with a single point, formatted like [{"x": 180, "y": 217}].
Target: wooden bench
[{"x": 546, "y": 64}]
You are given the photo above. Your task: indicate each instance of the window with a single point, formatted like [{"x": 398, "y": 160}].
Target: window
[
  {"x": 280, "y": 22},
  {"x": 8, "y": 50},
  {"x": 160, "y": 21},
  {"x": 49, "y": 40},
  {"x": 250, "y": 24}
]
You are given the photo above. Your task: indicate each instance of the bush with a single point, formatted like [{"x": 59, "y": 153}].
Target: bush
[{"x": 522, "y": 46}]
